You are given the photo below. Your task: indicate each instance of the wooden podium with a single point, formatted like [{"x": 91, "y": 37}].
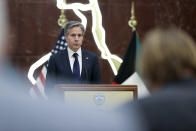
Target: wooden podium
[{"x": 103, "y": 96}]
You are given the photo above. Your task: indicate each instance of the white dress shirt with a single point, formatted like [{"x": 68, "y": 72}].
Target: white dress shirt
[{"x": 72, "y": 58}]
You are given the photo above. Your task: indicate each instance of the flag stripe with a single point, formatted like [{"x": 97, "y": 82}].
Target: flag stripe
[
  {"x": 40, "y": 85},
  {"x": 41, "y": 76},
  {"x": 127, "y": 68},
  {"x": 37, "y": 91}
]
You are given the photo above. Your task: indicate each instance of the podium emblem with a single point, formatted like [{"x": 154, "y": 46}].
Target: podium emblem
[{"x": 99, "y": 99}]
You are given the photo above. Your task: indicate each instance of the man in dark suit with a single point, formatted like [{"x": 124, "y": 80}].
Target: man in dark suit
[{"x": 74, "y": 65}]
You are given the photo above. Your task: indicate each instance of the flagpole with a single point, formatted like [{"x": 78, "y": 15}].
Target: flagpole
[
  {"x": 62, "y": 18},
  {"x": 132, "y": 22}
]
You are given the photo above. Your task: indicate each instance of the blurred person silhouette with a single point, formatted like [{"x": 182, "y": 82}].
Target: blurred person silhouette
[
  {"x": 6, "y": 68},
  {"x": 168, "y": 66},
  {"x": 9, "y": 75},
  {"x": 3, "y": 33},
  {"x": 21, "y": 113}
]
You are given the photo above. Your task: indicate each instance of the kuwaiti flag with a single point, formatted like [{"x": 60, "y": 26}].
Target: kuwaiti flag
[
  {"x": 127, "y": 74},
  {"x": 37, "y": 91}
]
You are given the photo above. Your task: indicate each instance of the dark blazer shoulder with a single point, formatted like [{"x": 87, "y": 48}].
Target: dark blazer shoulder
[
  {"x": 60, "y": 54},
  {"x": 88, "y": 53}
]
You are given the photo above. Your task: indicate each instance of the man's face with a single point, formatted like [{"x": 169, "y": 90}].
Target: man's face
[{"x": 74, "y": 38}]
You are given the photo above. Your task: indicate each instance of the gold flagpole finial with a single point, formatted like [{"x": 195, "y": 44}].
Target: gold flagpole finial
[
  {"x": 132, "y": 22},
  {"x": 62, "y": 18}
]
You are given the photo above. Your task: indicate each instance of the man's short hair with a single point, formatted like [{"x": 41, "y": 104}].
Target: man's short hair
[{"x": 72, "y": 24}]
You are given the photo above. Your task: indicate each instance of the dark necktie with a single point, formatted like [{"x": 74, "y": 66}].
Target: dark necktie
[{"x": 76, "y": 69}]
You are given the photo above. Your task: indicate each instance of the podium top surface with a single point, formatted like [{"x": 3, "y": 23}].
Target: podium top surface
[{"x": 97, "y": 87}]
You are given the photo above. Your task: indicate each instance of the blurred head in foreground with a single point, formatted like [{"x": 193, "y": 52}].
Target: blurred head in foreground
[
  {"x": 168, "y": 63},
  {"x": 168, "y": 54},
  {"x": 4, "y": 29}
]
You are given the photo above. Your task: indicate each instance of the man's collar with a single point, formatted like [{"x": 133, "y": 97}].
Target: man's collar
[{"x": 70, "y": 52}]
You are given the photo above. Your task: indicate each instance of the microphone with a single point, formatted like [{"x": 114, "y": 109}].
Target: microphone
[
  {"x": 86, "y": 73},
  {"x": 85, "y": 60}
]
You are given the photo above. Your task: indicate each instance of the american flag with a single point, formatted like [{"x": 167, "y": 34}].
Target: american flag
[{"x": 37, "y": 91}]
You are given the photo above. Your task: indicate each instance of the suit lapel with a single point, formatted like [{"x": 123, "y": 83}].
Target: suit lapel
[{"x": 66, "y": 63}]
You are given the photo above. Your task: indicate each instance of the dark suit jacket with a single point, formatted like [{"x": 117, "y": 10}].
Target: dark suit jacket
[
  {"x": 172, "y": 109},
  {"x": 59, "y": 70}
]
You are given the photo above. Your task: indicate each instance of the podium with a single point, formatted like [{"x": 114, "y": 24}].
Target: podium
[{"x": 102, "y": 96}]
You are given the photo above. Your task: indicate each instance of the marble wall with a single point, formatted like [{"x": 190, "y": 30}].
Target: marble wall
[{"x": 34, "y": 28}]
